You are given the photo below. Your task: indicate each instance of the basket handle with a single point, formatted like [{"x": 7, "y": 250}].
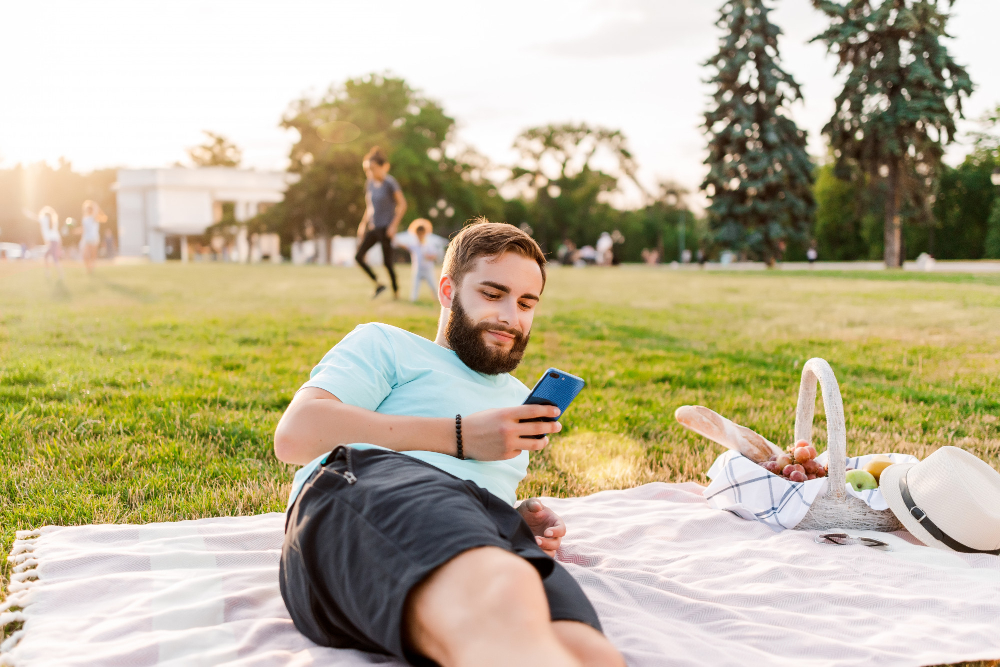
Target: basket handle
[{"x": 816, "y": 371}]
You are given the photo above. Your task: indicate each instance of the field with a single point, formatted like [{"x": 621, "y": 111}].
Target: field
[{"x": 151, "y": 393}]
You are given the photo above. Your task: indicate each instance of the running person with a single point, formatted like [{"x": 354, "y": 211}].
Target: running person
[
  {"x": 423, "y": 253},
  {"x": 384, "y": 208}
]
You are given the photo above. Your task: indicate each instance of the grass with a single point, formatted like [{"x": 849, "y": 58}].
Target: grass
[{"x": 150, "y": 393}]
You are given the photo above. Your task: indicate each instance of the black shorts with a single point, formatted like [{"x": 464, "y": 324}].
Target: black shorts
[{"x": 353, "y": 552}]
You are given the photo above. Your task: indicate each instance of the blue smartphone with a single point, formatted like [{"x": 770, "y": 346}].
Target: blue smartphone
[{"x": 557, "y": 388}]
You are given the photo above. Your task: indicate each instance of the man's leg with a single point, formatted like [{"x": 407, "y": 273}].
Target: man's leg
[
  {"x": 484, "y": 607},
  {"x": 387, "y": 259},
  {"x": 367, "y": 241},
  {"x": 587, "y": 645}
]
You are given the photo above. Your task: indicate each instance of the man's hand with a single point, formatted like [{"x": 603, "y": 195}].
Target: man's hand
[
  {"x": 495, "y": 435},
  {"x": 545, "y": 524}
]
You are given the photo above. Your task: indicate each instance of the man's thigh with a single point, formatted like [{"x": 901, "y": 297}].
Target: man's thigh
[
  {"x": 353, "y": 552},
  {"x": 588, "y": 645}
]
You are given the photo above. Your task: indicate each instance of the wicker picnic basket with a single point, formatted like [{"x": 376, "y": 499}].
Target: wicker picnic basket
[{"x": 836, "y": 508}]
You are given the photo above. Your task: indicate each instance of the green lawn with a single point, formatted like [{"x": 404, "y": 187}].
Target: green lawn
[{"x": 150, "y": 393}]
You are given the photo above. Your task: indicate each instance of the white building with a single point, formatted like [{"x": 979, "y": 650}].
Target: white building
[{"x": 156, "y": 203}]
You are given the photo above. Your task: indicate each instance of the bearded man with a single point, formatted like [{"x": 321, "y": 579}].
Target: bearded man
[{"x": 403, "y": 534}]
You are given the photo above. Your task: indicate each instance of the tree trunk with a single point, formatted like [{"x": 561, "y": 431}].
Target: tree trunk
[{"x": 893, "y": 225}]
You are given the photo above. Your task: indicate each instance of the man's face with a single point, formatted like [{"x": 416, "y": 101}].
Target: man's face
[
  {"x": 492, "y": 311},
  {"x": 378, "y": 171}
]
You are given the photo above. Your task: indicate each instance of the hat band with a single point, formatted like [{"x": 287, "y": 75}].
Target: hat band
[{"x": 928, "y": 525}]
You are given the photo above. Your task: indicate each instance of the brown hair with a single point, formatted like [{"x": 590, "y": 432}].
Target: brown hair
[
  {"x": 483, "y": 238},
  {"x": 377, "y": 156}
]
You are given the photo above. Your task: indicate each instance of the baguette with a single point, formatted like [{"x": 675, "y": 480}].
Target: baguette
[{"x": 718, "y": 429}]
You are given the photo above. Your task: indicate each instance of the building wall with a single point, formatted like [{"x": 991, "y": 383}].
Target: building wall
[{"x": 154, "y": 203}]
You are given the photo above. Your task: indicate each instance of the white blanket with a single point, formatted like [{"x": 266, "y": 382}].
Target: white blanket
[{"x": 675, "y": 583}]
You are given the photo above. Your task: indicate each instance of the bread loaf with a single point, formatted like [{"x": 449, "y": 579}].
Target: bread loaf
[{"x": 718, "y": 429}]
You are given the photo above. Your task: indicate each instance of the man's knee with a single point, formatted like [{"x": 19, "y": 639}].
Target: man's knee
[
  {"x": 588, "y": 645},
  {"x": 481, "y": 588},
  {"x": 480, "y": 598}
]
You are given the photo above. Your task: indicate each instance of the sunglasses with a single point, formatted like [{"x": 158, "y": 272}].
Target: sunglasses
[{"x": 843, "y": 539}]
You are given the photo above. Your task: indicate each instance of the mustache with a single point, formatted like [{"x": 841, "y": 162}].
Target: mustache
[{"x": 490, "y": 326}]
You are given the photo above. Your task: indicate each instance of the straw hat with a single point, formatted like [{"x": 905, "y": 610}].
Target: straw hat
[{"x": 950, "y": 500}]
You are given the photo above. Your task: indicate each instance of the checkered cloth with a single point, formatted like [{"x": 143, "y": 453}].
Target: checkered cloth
[{"x": 749, "y": 491}]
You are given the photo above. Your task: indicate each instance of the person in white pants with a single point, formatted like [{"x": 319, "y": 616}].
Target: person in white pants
[
  {"x": 48, "y": 220},
  {"x": 423, "y": 254},
  {"x": 93, "y": 216}
]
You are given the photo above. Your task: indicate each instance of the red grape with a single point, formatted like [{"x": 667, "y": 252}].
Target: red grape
[
  {"x": 797, "y": 476},
  {"x": 800, "y": 443},
  {"x": 812, "y": 450},
  {"x": 811, "y": 467},
  {"x": 784, "y": 460},
  {"x": 803, "y": 454},
  {"x": 811, "y": 476}
]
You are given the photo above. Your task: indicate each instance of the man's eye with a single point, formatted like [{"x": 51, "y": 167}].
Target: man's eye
[
  {"x": 525, "y": 305},
  {"x": 491, "y": 296}
]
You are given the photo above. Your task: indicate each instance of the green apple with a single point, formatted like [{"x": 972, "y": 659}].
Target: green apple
[{"x": 861, "y": 480}]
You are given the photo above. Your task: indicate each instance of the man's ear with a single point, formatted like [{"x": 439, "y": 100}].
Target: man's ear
[{"x": 446, "y": 291}]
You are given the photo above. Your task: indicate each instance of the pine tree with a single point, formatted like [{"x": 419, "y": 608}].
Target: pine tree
[
  {"x": 760, "y": 176},
  {"x": 893, "y": 116}
]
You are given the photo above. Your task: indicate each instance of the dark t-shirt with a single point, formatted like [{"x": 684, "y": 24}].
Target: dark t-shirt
[{"x": 383, "y": 200}]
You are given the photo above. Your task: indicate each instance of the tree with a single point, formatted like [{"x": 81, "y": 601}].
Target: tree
[
  {"x": 25, "y": 189},
  {"x": 217, "y": 151},
  {"x": 987, "y": 139},
  {"x": 897, "y": 108},
  {"x": 760, "y": 175},
  {"x": 665, "y": 224},
  {"x": 571, "y": 172},
  {"x": 441, "y": 179},
  {"x": 988, "y": 142},
  {"x": 992, "y": 242},
  {"x": 839, "y": 228},
  {"x": 962, "y": 208}
]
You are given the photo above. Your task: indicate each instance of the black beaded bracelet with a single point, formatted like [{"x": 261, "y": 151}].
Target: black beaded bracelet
[{"x": 458, "y": 436}]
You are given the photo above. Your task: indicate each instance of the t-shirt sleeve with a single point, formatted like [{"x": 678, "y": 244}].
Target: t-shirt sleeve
[
  {"x": 360, "y": 370},
  {"x": 393, "y": 185}
]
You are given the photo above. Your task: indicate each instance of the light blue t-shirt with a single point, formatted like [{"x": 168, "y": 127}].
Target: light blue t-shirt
[{"x": 394, "y": 372}]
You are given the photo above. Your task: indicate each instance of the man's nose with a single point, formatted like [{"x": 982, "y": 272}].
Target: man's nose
[{"x": 508, "y": 312}]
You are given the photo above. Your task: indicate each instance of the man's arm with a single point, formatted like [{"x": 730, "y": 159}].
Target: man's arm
[
  {"x": 400, "y": 210},
  {"x": 369, "y": 212},
  {"x": 316, "y": 421}
]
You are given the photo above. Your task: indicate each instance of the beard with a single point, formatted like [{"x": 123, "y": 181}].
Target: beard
[{"x": 466, "y": 338}]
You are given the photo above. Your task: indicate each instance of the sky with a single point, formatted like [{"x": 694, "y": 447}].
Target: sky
[{"x": 108, "y": 83}]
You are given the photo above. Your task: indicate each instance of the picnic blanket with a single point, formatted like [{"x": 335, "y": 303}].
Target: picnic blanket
[{"x": 675, "y": 583}]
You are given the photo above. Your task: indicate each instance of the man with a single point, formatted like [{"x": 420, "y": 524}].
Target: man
[
  {"x": 409, "y": 544},
  {"x": 384, "y": 208}
]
